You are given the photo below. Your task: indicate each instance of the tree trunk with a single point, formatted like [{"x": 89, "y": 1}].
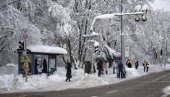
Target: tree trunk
[{"x": 70, "y": 53}]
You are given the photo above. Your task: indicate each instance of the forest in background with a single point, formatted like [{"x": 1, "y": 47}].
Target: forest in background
[{"x": 64, "y": 22}]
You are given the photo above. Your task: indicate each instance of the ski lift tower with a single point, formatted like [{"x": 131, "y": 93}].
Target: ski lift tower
[{"x": 140, "y": 14}]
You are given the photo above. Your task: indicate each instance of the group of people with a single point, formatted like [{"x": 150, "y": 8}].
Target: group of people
[
  {"x": 121, "y": 72},
  {"x": 145, "y": 65},
  {"x": 119, "y": 68},
  {"x": 103, "y": 65}
]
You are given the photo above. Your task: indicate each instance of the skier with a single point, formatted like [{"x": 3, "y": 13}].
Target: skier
[{"x": 68, "y": 74}]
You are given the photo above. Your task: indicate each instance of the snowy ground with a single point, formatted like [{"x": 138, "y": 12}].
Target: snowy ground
[
  {"x": 166, "y": 91},
  {"x": 11, "y": 83}
]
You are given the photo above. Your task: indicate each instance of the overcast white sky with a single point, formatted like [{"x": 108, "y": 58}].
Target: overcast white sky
[{"x": 162, "y": 4}]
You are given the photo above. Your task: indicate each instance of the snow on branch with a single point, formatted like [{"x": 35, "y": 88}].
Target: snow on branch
[
  {"x": 113, "y": 52},
  {"x": 104, "y": 16}
]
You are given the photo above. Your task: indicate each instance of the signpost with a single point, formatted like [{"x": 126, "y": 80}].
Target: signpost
[{"x": 25, "y": 65}]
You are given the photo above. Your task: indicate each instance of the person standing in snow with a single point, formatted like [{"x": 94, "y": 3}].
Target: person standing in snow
[
  {"x": 39, "y": 67},
  {"x": 146, "y": 66},
  {"x": 68, "y": 73},
  {"x": 106, "y": 66},
  {"x": 88, "y": 67},
  {"x": 128, "y": 63},
  {"x": 136, "y": 64},
  {"x": 36, "y": 64},
  {"x": 121, "y": 70},
  {"x": 114, "y": 67},
  {"x": 94, "y": 69},
  {"x": 44, "y": 66},
  {"x": 100, "y": 67}
]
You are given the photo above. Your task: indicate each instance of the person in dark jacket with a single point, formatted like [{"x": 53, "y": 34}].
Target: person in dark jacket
[
  {"x": 94, "y": 69},
  {"x": 36, "y": 64},
  {"x": 136, "y": 64},
  {"x": 44, "y": 66},
  {"x": 121, "y": 70},
  {"x": 100, "y": 67},
  {"x": 128, "y": 63},
  {"x": 68, "y": 74},
  {"x": 88, "y": 67}
]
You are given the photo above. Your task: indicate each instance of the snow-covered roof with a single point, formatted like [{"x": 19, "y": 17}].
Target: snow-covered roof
[{"x": 47, "y": 49}]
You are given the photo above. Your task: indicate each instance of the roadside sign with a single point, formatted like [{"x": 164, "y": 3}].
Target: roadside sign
[
  {"x": 126, "y": 51},
  {"x": 25, "y": 35}
]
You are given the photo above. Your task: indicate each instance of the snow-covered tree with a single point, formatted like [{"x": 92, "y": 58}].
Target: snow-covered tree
[
  {"x": 64, "y": 22},
  {"x": 13, "y": 22}
]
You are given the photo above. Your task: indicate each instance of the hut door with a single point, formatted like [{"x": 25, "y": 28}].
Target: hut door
[{"x": 52, "y": 64}]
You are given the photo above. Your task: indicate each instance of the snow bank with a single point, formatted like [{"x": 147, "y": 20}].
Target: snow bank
[
  {"x": 39, "y": 81},
  {"x": 77, "y": 74},
  {"x": 56, "y": 77},
  {"x": 35, "y": 81},
  {"x": 132, "y": 72},
  {"x": 90, "y": 81},
  {"x": 12, "y": 83},
  {"x": 167, "y": 90},
  {"x": 6, "y": 82}
]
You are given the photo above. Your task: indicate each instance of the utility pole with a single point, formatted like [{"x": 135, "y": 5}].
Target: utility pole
[
  {"x": 166, "y": 54},
  {"x": 121, "y": 30}
]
